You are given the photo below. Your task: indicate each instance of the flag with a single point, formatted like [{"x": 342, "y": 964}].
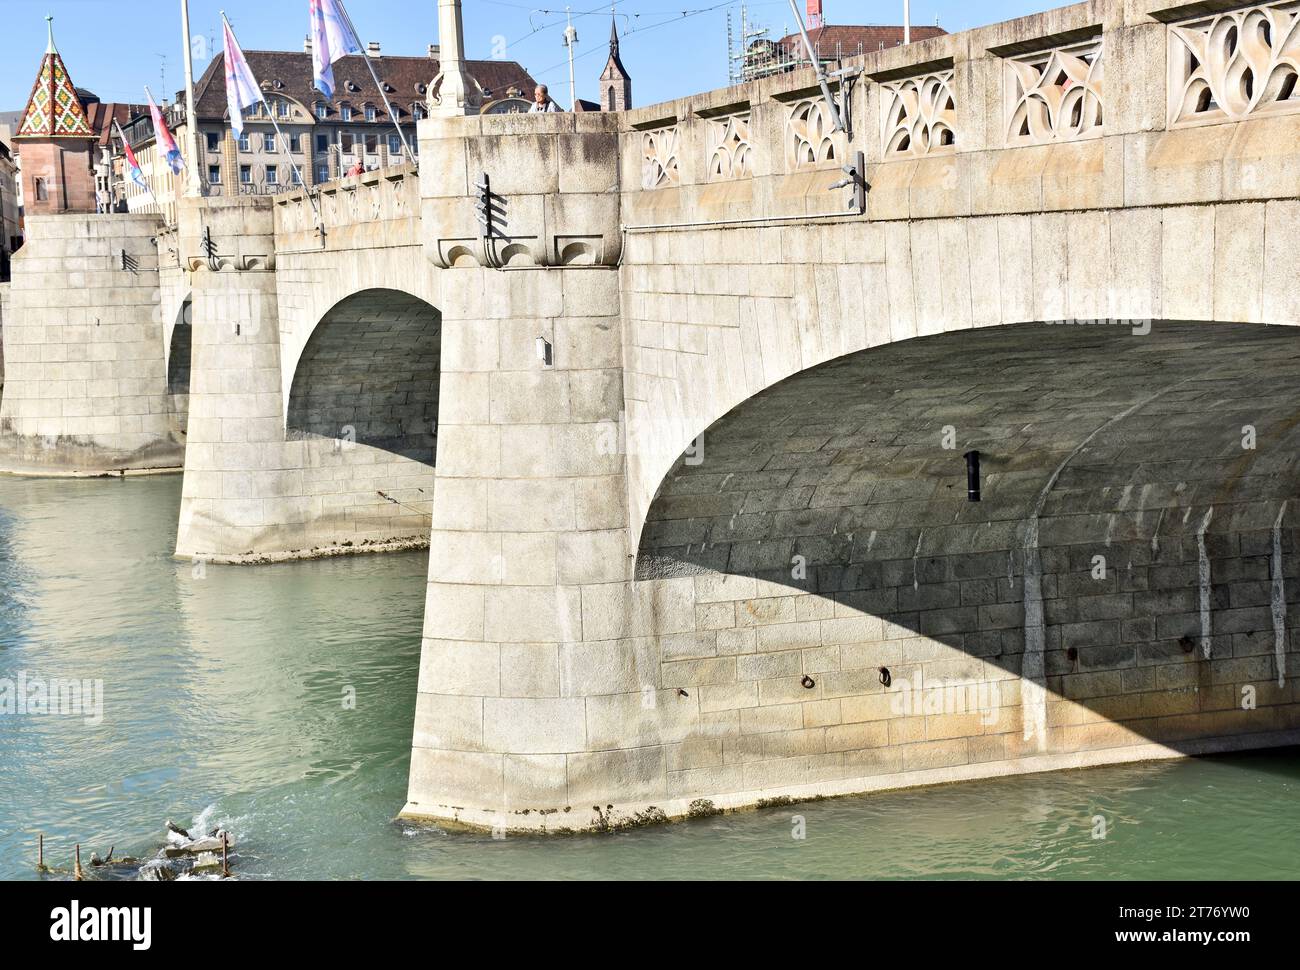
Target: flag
[
  {"x": 133, "y": 170},
  {"x": 166, "y": 143},
  {"x": 331, "y": 38},
  {"x": 242, "y": 90}
]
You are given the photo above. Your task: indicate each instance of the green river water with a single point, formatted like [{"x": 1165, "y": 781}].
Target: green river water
[{"x": 223, "y": 705}]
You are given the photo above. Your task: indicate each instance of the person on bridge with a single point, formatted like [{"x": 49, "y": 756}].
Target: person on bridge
[
  {"x": 357, "y": 169},
  {"x": 542, "y": 101}
]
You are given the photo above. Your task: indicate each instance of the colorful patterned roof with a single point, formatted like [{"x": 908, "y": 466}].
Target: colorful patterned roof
[{"x": 54, "y": 110}]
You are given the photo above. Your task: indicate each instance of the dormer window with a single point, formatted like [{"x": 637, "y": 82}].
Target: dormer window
[
  {"x": 417, "y": 111},
  {"x": 371, "y": 114},
  {"x": 345, "y": 112},
  {"x": 322, "y": 111}
]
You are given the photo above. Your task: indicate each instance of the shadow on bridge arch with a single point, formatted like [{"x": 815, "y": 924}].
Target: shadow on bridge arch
[
  {"x": 1129, "y": 571},
  {"x": 369, "y": 374},
  {"x": 179, "y": 360}
]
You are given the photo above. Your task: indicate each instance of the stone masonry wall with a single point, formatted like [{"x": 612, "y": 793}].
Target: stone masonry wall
[
  {"x": 86, "y": 381},
  {"x": 581, "y": 697}
]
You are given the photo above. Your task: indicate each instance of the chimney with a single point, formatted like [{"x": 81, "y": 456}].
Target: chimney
[
  {"x": 435, "y": 51},
  {"x": 372, "y": 49},
  {"x": 306, "y": 44}
]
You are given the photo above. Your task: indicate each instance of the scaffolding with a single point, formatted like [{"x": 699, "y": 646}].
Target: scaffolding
[{"x": 752, "y": 54}]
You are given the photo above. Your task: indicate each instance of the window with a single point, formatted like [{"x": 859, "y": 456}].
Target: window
[
  {"x": 296, "y": 177},
  {"x": 322, "y": 143},
  {"x": 345, "y": 112},
  {"x": 322, "y": 111},
  {"x": 244, "y": 144},
  {"x": 370, "y": 112},
  {"x": 372, "y": 144},
  {"x": 268, "y": 142},
  {"x": 42, "y": 190},
  {"x": 345, "y": 142},
  {"x": 214, "y": 174},
  {"x": 272, "y": 175},
  {"x": 417, "y": 111},
  {"x": 394, "y": 145},
  {"x": 214, "y": 141},
  {"x": 284, "y": 109},
  {"x": 323, "y": 172},
  {"x": 295, "y": 143},
  {"x": 246, "y": 174}
]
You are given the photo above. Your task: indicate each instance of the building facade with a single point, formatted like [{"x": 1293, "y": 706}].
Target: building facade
[
  {"x": 322, "y": 139},
  {"x": 10, "y": 232}
]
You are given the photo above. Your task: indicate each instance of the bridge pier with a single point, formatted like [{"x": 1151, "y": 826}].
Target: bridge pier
[
  {"x": 255, "y": 489},
  {"x": 85, "y": 383}
]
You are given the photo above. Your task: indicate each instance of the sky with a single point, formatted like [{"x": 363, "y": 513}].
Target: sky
[{"x": 672, "y": 48}]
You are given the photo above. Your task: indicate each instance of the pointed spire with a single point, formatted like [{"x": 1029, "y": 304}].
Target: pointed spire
[
  {"x": 613, "y": 35},
  {"x": 54, "y": 109}
]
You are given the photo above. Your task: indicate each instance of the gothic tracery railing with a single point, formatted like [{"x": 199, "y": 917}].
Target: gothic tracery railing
[
  {"x": 733, "y": 148},
  {"x": 920, "y": 115},
  {"x": 808, "y": 135},
  {"x": 1055, "y": 95},
  {"x": 1235, "y": 64},
  {"x": 660, "y": 168}
]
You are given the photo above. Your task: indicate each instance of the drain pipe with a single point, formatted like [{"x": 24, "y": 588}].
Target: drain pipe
[{"x": 817, "y": 66}]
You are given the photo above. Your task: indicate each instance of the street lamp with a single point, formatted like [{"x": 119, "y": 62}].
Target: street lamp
[{"x": 570, "y": 41}]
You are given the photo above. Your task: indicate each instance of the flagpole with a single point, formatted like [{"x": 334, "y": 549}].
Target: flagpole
[
  {"x": 192, "y": 188},
  {"x": 280, "y": 134},
  {"x": 147, "y": 187},
  {"x": 379, "y": 87}
]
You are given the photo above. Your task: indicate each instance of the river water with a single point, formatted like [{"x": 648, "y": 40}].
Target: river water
[{"x": 226, "y": 701}]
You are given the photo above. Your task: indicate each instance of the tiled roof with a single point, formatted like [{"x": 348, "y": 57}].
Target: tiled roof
[
  {"x": 827, "y": 40},
  {"x": 54, "y": 109},
  {"x": 102, "y": 115},
  {"x": 289, "y": 74}
]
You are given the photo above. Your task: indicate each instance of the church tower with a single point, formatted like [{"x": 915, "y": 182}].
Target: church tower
[
  {"x": 55, "y": 143},
  {"x": 615, "y": 83}
]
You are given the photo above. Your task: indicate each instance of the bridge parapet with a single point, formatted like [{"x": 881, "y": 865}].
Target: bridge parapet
[
  {"x": 1103, "y": 104},
  {"x": 374, "y": 209}
]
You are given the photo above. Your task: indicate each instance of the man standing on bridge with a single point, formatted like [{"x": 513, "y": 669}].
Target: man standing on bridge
[{"x": 542, "y": 101}]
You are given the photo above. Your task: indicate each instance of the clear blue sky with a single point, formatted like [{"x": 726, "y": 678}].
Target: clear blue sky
[{"x": 112, "y": 47}]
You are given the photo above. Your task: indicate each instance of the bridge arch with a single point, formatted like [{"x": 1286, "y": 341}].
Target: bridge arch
[
  {"x": 1127, "y": 577},
  {"x": 369, "y": 374}
]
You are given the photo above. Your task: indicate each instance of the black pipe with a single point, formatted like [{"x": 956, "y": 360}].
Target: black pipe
[{"x": 973, "y": 476}]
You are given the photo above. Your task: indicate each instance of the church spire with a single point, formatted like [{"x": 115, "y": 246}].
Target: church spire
[
  {"x": 615, "y": 82},
  {"x": 49, "y": 22}
]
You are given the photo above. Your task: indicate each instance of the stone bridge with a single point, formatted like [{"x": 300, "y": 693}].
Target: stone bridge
[{"x": 686, "y": 428}]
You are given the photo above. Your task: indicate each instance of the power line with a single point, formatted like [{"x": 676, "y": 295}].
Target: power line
[{"x": 683, "y": 15}]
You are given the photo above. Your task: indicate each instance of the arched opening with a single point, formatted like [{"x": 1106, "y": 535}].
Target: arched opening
[
  {"x": 1127, "y": 576},
  {"x": 369, "y": 375},
  {"x": 179, "y": 354}
]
